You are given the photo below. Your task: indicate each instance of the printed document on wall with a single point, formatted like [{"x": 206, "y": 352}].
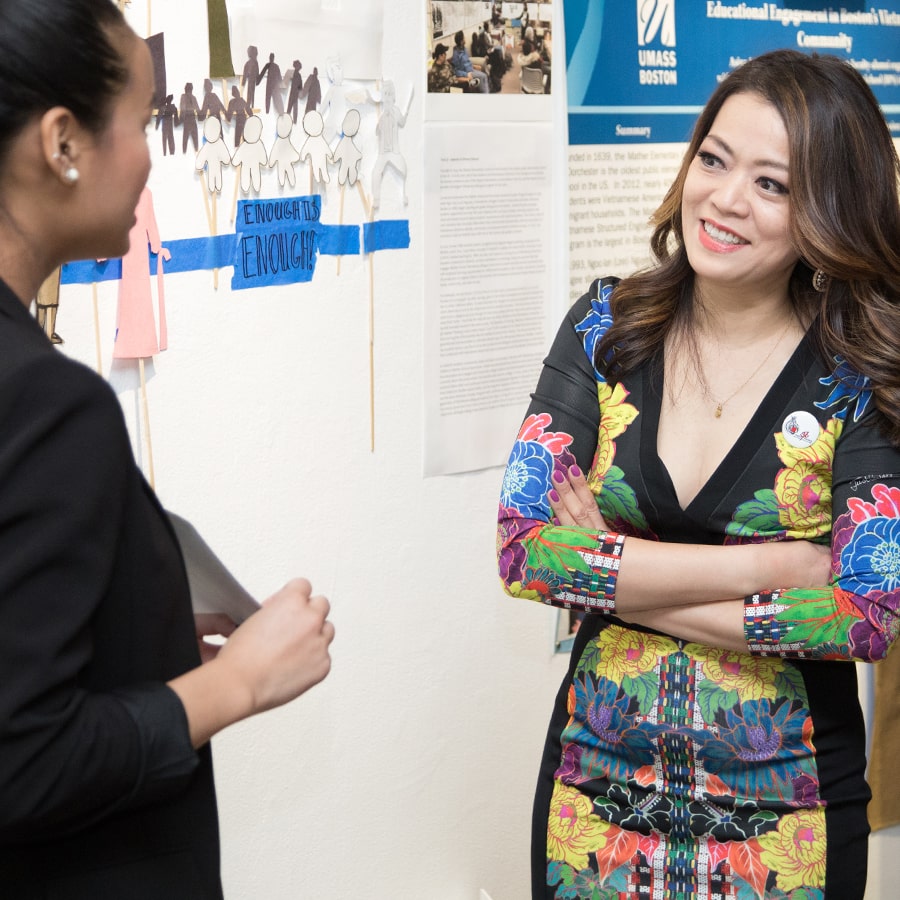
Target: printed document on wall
[{"x": 488, "y": 267}]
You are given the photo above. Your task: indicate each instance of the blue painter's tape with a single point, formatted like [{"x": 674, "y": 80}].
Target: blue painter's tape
[
  {"x": 388, "y": 234},
  {"x": 280, "y": 251}
]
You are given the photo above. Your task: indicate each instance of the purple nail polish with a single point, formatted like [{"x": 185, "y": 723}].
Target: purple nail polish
[
  {"x": 575, "y": 472},
  {"x": 558, "y": 476},
  {"x": 554, "y": 496}
]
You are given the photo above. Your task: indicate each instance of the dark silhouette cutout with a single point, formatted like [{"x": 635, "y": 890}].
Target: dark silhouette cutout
[
  {"x": 167, "y": 116},
  {"x": 250, "y": 74},
  {"x": 272, "y": 73},
  {"x": 294, "y": 93},
  {"x": 239, "y": 110},
  {"x": 189, "y": 110},
  {"x": 212, "y": 105}
]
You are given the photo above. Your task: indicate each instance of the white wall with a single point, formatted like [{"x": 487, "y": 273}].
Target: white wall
[{"x": 408, "y": 774}]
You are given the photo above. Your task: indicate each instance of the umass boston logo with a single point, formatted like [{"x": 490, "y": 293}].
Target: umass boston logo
[{"x": 656, "y": 42}]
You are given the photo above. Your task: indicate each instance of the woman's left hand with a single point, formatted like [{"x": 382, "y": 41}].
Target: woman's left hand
[{"x": 573, "y": 502}]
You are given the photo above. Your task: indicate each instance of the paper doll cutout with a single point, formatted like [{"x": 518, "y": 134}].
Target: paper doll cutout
[
  {"x": 189, "y": 110},
  {"x": 212, "y": 105},
  {"x": 337, "y": 100},
  {"x": 167, "y": 116},
  {"x": 347, "y": 154},
  {"x": 136, "y": 335},
  {"x": 272, "y": 73},
  {"x": 251, "y": 155},
  {"x": 312, "y": 90},
  {"x": 387, "y": 130},
  {"x": 220, "y": 62},
  {"x": 156, "y": 43},
  {"x": 46, "y": 305},
  {"x": 239, "y": 110},
  {"x": 294, "y": 91},
  {"x": 213, "y": 155},
  {"x": 250, "y": 75},
  {"x": 283, "y": 153},
  {"x": 315, "y": 148}
]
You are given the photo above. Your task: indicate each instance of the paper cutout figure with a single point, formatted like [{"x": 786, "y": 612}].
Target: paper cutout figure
[
  {"x": 347, "y": 154},
  {"x": 251, "y": 155},
  {"x": 239, "y": 110},
  {"x": 337, "y": 100},
  {"x": 46, "y": 305},
  {"x": 272, "y": 73},
  {"x": 136, "y": 335},
  {"x": 283, "y": 153},
  {"x": 167, "y": 116},
  {"x": 213, "y": 155},
  {"x": 156, "y": 43},
  {"x": 220, "y": 62},
  {"x": 294, "y": 91},
  {"x": 250, "y": 75},
  {"x": 387, "y": 130},
  {"x": 189, "y": 111},
  {"x": 212, "y": 105},
  {"x": 315, "y": 148},
  {"x": 312, "y": 90}
]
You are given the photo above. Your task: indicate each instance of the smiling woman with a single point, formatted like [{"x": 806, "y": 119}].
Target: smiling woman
[{"x": 700, "y": 433}]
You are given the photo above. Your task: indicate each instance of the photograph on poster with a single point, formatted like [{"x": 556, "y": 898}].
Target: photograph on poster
[{"x": 481, "y": 47}]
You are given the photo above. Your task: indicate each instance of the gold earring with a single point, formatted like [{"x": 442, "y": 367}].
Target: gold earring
[{"x": 820, "y": 281}]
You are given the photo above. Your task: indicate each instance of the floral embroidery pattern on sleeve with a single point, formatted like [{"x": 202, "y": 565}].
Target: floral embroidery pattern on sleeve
[
  {"x": 859, "y": 617},
  {"x": 539, "y": 561}
]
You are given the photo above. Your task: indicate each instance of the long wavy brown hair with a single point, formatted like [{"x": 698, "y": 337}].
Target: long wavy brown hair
[{"x": 844, "y": 220}]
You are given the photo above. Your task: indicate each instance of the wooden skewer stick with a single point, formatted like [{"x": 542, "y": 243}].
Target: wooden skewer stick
[
  {"x": 146, "y": 416},
  {"x": 213, "y": 232},
  {"x": 371, "y": 341},
  {"x": 96, "y": 327},
  {"x": 340, "y": 222}
]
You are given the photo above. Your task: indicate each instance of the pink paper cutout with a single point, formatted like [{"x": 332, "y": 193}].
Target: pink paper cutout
[{"x": 136, "y": 336}]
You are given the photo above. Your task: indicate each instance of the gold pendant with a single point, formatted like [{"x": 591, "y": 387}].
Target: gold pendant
[{"x": 719, "y": 411}]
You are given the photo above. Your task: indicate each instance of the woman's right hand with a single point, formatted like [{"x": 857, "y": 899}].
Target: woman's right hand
[
  {"x": 283, "y": 650},
  {"x": 280, "y": 652}
]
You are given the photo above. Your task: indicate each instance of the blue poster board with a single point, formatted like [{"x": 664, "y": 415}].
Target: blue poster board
[{"x": 641, "y": 70}]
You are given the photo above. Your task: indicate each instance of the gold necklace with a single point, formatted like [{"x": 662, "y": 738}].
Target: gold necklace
[{"x": 720, "y": 404}]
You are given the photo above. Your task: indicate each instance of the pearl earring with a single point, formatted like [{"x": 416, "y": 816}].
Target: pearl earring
[{"x": 71, "y": 175}]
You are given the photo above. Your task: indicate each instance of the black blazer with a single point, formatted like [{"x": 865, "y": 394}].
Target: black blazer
[{"x": 101, "y": 793}]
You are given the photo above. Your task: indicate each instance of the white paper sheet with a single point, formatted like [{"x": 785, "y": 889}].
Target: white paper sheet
[
  {"x": 213, "y": 588},
  {"x": 487, "y": 287}
]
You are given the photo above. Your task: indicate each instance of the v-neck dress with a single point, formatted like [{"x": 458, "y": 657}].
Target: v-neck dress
[{"x": 673, "y": 769}]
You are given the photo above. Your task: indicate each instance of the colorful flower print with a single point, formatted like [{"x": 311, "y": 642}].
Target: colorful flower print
[
  {"x": 803, "y": 487},
  {"x": 848, "y": 387},
  {"x": 510, "y": 548},
  {"x": 573, "y": 830},
  {"x": 739, "y": 675},
  {"x": 795, "y": 850},
  {"x": 594, "y": 326},
  {"x": 606, "y": 725},
  {"x": 615, "y": 416},
  {"x": 620, "y": 654},
  {"x": 871, "y": 559},
  {"x": 867, "y": 548},
  {"x": 526, "y": 479},
  {"x": 756, "y": 520},
  {"x": 760, "y": 751}
]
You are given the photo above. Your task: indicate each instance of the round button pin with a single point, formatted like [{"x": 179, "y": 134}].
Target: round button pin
[{"x": 801, "y": 428}]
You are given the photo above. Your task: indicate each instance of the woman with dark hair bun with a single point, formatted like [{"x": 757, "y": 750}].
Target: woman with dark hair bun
[
  {"x": 106, "y": 783},
  {"x": 710, "y": 470}
]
